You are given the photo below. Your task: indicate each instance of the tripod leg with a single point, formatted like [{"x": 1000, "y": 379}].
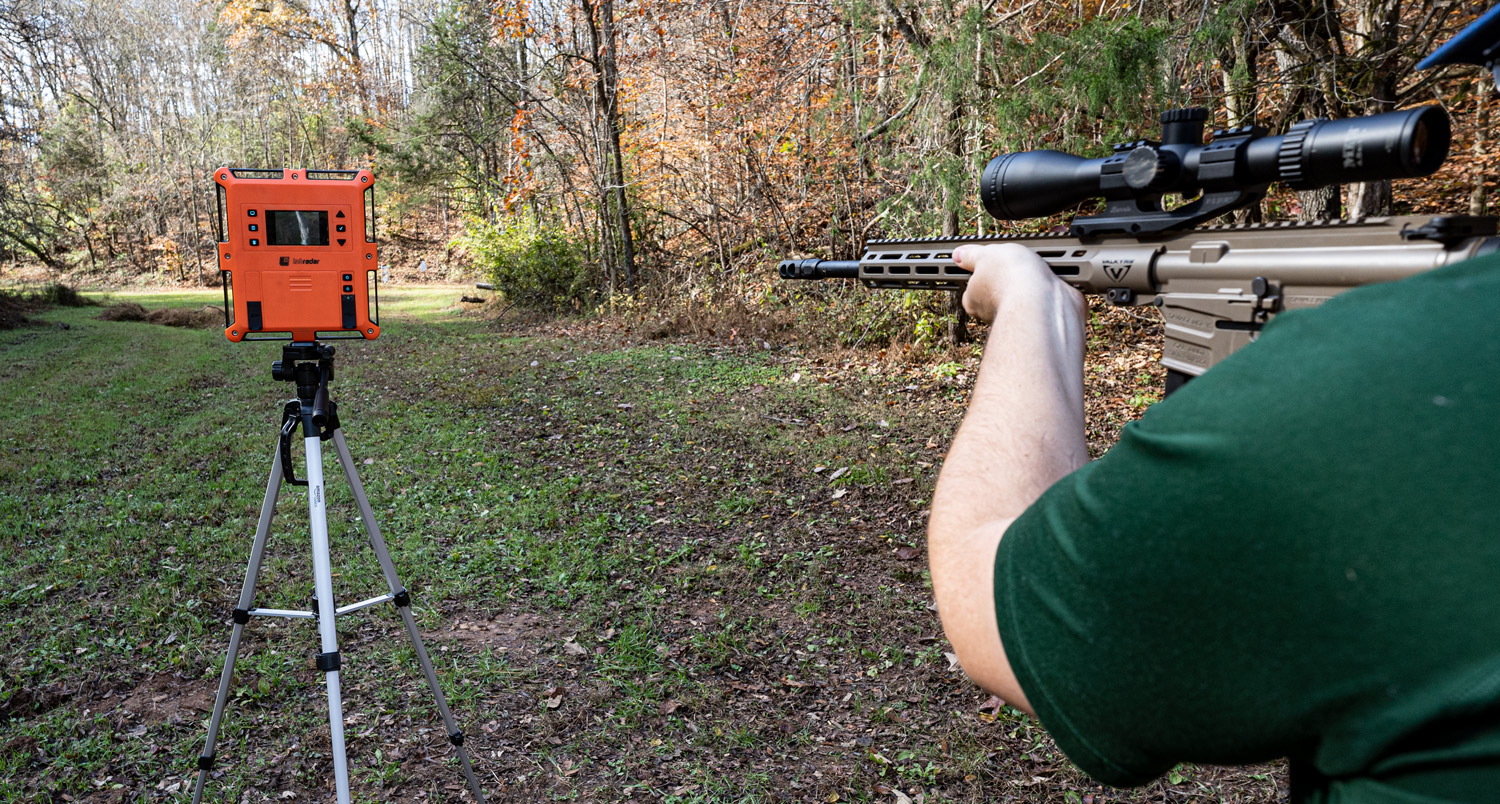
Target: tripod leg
[
  {"x": 328, "y": 660},
  {"x": 241, "y": 616},
  {"x": 403, "y": 604}
]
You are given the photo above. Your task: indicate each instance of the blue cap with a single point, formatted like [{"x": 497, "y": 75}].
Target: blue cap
[{"x": 1477, "y": 44}]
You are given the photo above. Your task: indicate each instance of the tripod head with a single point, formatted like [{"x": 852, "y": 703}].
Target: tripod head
[{"x": 310, "y": 365}]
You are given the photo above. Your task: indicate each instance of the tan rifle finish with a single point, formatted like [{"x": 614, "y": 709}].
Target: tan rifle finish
[{"x": 1215, "y": 286}]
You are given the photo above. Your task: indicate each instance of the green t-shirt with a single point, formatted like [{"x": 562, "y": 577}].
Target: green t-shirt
[{"x": 1296, "y": 555}]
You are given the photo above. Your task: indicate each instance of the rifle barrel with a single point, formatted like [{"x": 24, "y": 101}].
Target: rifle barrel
[{"x": 819, "y": 269}]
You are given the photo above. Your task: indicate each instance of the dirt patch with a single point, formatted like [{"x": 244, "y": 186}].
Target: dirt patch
[
  {"x": 23, "y": 746},
  {"x": 108, "y": 796},
  {"x": 29, "y": 702},
  {"x": 201, "y": 318},
  {"x": 165, "y": 698},
  {"x": 516, "y": 633}
]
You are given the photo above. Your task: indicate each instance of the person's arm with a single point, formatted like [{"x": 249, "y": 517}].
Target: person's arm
[{"x": 1023, "y": 432}]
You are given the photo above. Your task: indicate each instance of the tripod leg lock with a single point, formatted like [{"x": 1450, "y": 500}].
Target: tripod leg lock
[
  {"x": 240, "y": 616},
  {"x": 329, "y": 662},
  {"x": 206, "y": 762},
  {"x": 402, "y": 599},
  {"x": 457, "y": 737}
]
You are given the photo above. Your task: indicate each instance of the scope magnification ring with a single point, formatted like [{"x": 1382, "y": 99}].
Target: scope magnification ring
[{"x": 1289, "y": 157}]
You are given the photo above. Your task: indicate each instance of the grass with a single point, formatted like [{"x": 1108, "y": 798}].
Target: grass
[{"x": 632, "y": 580}]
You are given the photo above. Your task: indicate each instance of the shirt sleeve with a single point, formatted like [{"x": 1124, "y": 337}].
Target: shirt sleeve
[
  {"x": 1150, "y": 602},
  {"x": 1292, "y": 556}
]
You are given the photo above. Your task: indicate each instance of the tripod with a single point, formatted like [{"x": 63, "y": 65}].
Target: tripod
[{"x": 310, "y": 366}]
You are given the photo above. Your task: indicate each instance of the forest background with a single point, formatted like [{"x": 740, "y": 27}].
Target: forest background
[{"x": 659, "y": 156}]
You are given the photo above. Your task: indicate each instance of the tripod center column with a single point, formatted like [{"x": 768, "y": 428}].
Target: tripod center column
[{"x": 323, "y": 587}]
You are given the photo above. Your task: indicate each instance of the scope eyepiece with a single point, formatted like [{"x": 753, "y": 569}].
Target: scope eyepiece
[{"x": 1230, "y": 172}]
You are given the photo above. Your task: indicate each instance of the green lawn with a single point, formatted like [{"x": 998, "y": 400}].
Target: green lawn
[{"x": 671, "y": 571}]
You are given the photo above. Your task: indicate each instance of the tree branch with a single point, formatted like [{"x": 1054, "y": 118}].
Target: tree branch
[{"x": 911, "y": 103}]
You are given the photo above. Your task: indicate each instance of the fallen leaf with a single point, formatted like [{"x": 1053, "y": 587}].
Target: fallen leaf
[
  {"x": 907, "y": 552},
  {"x": 952, "y": 661},
  {"x": 554, "y": 702},
  {"x": 993, "y": 705},
  {"x": 669, "y": 706},
  {"x": 573, "y": 648},
  {"x": 839, "y": 493},
  {"x": 838, "y": 473}
]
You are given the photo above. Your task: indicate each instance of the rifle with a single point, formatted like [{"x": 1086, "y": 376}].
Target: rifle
[{"x": 1217, "y": 285}]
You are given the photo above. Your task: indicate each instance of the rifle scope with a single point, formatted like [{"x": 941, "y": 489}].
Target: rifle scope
[{"x": 1232, "y": 171}]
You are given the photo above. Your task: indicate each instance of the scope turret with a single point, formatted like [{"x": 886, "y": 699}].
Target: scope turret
[{"x": 1232, "y": 171}]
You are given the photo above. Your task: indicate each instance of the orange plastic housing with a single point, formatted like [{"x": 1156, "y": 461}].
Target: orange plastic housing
[{"x": 297, "y": 253}]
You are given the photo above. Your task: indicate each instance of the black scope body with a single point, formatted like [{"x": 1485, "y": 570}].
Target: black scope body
[{"x": 1312, "y": 154}]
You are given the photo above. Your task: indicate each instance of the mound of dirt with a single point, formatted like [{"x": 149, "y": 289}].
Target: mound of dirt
[
  {"x": 203, "y": 318},
  {"x": 13, "y": 311},
  {"x": 124, "y": 311},
  {"x": 14, "y": 305}
]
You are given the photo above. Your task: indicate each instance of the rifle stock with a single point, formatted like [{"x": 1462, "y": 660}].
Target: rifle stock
[{"x": 1215, "y": 286}]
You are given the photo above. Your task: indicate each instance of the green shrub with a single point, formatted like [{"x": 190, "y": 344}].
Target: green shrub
[{"x": 533, "y": 266}]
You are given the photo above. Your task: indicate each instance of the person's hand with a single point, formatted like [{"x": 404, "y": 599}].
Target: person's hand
[{"x": 1005, "y": 270}]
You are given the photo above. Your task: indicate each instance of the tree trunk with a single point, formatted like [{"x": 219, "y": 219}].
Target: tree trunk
[
  {"x": 616, "y": 204},
  {"x": 1240, "y": 75},
  {"x": 1377, "y": 26},
  {"x": 958, "y": 318},
  {"x": 1369, "y": 199},
  {"x": 1321, "y": 204},
  {"x": 196, "y": 231},
  {"x": 356, "y": 60},
  {"x": 1324, "y": 203},
  {"x": 1477, "y": 201}
]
